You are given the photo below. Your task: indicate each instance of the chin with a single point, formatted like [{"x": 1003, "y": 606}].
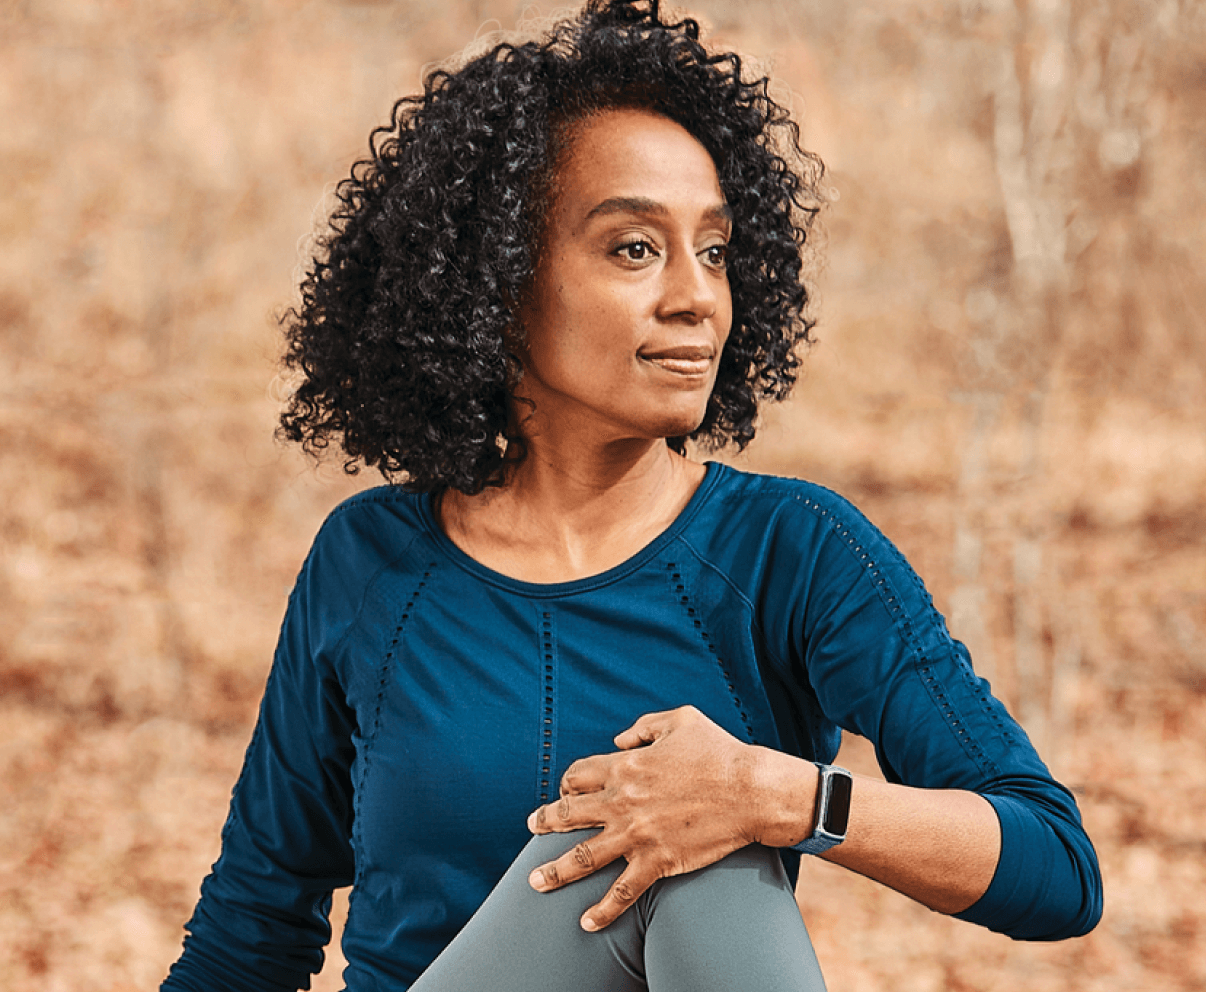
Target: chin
[{"x": 679, "y": 426}]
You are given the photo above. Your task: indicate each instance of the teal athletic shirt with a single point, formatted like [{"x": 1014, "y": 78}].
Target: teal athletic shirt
[{"x": 421, "y": 705}]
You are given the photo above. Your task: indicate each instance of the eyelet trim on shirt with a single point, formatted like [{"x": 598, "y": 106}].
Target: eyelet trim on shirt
[
  {"x": 387, "y": 664},
  {"x": 679, "y": 587},
  {"x": 546, "y": 761},
  {"x": 923, "y": 664},
  {"x": 976, "y": 686}
]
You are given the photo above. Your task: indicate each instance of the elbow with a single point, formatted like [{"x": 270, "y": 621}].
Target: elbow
[
  {"x": 1077, "y": 911},
  {"x": 1047, "y": 885},
  {"x": 1070, "y": 905},
  {"x": 1074, "y": 915}
]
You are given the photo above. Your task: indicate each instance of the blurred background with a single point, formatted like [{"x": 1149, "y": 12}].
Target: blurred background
[{"x": 1010, "y": 380}]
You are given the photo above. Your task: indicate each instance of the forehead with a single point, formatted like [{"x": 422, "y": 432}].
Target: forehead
[{"x": 635, "y": 154}]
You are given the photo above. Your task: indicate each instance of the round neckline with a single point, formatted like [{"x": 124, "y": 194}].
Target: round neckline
[{"x": 712, "y": 474}]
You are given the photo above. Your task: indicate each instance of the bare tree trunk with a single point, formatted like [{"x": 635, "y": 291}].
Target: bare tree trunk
[
  {"x": 1014, "y": 336},
  {"x": 968, "y": 599}
]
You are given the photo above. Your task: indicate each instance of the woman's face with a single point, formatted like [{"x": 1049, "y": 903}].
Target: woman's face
[{"x": 630, "y": 303}]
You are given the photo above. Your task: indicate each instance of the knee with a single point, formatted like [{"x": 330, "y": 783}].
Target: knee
[
  {"x": 750, "y": 868},
  {"x": 543, "y": 848}
]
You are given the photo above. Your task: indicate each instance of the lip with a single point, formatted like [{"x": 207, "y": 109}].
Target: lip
[{"x": 687, "y": 359}]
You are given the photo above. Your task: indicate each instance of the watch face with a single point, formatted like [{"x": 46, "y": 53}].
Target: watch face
[{"x": 837, "y": 813}]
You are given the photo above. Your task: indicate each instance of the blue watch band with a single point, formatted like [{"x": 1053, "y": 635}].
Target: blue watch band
[{"x": 834, "y": 788}]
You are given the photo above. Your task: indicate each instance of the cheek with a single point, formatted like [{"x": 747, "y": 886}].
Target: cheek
[
  {"x": 603, "y": 324},
  {"x": 724, "y": 314}
]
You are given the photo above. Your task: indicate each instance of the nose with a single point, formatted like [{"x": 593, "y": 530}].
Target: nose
[{"x": 690, "y": 290}]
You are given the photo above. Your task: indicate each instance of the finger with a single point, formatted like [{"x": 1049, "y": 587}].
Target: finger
[
  {"x": 587, "y": 774},
  {"x": 623, "y": 893},
  {"x": 646, "y": 730},
  {"x": 582, "y": 859},
  {"x": 567, "y": 813}
]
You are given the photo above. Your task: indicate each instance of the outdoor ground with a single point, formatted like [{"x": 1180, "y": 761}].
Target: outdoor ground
[{"x": 1010, "y": 380}]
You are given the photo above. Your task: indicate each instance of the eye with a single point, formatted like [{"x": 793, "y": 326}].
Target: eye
[
  {"x": 636, "y": 251},
  {"x": 716, "y": 256}
]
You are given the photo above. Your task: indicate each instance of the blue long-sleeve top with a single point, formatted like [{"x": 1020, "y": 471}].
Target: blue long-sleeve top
[{"x": 421, "y": 705}]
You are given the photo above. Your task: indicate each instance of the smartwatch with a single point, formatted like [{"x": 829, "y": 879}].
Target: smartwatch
[{"x": 833, "y": 810}]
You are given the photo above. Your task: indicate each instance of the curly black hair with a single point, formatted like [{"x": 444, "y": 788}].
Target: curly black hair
[{"x": 403, "y": 338}]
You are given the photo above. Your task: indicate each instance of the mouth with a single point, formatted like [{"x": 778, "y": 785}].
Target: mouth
[{"x": 687, "y": 360}]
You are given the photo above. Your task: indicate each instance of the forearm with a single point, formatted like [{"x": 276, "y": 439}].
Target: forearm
[
  {"x": 938, "y": 846},
  {"x": 681, "y": 793}
]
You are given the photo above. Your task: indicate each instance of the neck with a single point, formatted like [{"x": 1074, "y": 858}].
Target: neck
[
  {"x": 570, "y": 481},
  {"x": 570, "y": 511}
]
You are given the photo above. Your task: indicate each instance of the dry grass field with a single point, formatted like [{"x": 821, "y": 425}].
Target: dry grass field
[{"x": 1010, "y": 379}]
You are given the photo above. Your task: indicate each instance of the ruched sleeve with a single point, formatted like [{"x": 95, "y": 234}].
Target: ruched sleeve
[
  {"x": 867, "y": 647},
  {"x": 261, "y": 923}
]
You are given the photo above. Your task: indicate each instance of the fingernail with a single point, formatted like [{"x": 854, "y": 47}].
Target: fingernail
[
  {"x": 536, "y": 880},
  {"x": 532, "y": 821},
  {"x": 589, "y": 925}
]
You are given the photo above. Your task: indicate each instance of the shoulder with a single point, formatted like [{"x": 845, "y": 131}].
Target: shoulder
[
  {"x": 761, "y": 491},
  {"x": 376, "y": 521},
  {"x": 744, "y": 506},
  {"x": 366, "y": 547},
  {"x": 765, "y": 531},
  {"x": 372, "y": 533}
]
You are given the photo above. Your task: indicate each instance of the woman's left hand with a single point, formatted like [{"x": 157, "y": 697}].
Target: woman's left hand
[{"x": 679, "y": 795}]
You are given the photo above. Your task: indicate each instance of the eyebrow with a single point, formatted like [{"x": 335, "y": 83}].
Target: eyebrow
[{"x": 644, "y": 205}]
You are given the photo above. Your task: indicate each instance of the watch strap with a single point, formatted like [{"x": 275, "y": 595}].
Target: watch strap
[{"x": 834, "y": 787}]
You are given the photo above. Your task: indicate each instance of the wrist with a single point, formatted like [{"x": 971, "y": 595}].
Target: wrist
[
  {"x": 785, "y": 791},
  {"x": 831, "y": 810}
]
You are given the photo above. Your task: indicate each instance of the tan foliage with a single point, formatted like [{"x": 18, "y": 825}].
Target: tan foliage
[{"x": 1011, "y": 380}]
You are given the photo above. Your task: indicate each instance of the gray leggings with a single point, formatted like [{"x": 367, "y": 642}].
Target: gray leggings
[{"x": 732, "y": 926}]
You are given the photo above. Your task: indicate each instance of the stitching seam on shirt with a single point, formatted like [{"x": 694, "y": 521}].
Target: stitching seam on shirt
[
  {"x": 231, "y": 815},
  {"x": 678, "y": 587},
  {"x": 781, "y": 667},
  {"x": 379, "y": 496},
  {"x": 789, "y": 489},
  {"x": 364, "y": 592},
  {"x": 921, "y": 661},
  {"x": 371, "y": 740}
]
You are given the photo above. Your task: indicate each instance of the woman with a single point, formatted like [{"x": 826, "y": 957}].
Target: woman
[{"x": 560, "y": 263}]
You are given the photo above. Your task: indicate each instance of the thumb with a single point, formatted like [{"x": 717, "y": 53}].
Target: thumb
[{"x": 645, "y": 731}]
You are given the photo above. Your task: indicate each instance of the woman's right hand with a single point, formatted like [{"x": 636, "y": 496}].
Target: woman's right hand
[{"x": 680, "y": 794}]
